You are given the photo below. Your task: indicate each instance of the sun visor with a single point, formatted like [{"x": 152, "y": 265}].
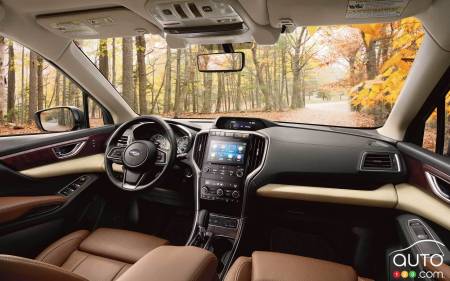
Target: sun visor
[
  {"x": 99, "y": 23},
  {"x": 2, "y": 12},
  {"x": 330, "y": 12}
]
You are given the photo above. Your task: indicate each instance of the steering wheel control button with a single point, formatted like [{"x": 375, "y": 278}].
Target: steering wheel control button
[{"x": 160, "y": 157}]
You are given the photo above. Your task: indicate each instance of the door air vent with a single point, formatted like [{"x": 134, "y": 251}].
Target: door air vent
[
  {"x": 256, "y": 152},
  {"x": 123, "y": 141},
  {"x": 199, "y": 149},
  {"x": 380, "y": 161}
]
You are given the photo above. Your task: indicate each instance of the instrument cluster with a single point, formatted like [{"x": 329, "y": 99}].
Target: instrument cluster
[{"x": 149, "y": 131}]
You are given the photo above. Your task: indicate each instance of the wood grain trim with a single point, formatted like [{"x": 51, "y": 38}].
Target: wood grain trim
[
  {"x": 385, "y": 196},
  {"x": 88, "y": 164},
  {"x": 44, "y": 155},
  {"x": 14, "y": 207}
]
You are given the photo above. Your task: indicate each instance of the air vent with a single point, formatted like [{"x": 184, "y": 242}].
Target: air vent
[
  {"x": 194, "y": 10},
  {"x": 199, "y": 149},
  {"x": 379, "y": 161},
  {"x": 256, "y": 152},
  {"x": 123, "y": 141},
  {"x": 180, "y": 11}
]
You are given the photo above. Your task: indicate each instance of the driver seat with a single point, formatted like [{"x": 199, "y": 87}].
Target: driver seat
[{"x": 102, "y": 255}]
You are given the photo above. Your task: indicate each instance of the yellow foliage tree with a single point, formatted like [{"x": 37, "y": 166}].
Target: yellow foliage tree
[{"x": 377, "y": 96}]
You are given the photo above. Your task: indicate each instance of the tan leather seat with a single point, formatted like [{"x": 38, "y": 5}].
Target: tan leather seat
[
  {"x": 102, "y": 255},
  {"x": 283, "y": 267},
  {"x": 168, "y": 263}
]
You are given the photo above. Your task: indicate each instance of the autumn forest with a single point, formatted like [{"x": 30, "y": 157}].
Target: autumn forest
[{"x": 335, "y": 75}]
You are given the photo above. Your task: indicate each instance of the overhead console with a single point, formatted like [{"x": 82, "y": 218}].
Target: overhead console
[{"x": 197, "y": 17}]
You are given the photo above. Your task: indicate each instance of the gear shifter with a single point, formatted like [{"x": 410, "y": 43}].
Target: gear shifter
[{"x": 203, "y": 220}]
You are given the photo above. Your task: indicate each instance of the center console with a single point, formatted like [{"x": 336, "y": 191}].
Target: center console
[
  {"x": 227, "y": 160},
  {"x": 224, "y": 171}
]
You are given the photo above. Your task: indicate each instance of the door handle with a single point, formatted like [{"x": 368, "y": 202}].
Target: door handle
[
  {"x": 68, "y": 150},
  {"x": 439, "y": 186}
]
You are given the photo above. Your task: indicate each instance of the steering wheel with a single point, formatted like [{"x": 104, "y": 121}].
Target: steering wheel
[{"x": 143, "y": 163}]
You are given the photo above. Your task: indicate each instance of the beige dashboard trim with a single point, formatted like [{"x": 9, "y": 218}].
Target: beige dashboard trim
[
  {"x": 403, "y": 197},
  {"x": 384, "y": 196},
  {"x": 88, "y": 164},
  {"x": 416, "y": 201}
]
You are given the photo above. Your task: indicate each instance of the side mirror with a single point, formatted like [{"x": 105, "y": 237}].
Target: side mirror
[
  {"x": 221, "y": 62},
  {"x": 60, "y": 119}
]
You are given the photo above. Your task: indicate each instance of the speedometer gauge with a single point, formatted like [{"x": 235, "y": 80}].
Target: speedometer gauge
[
  {"x": 182, "y": 144},
  {"x": 160, "y": 141}
]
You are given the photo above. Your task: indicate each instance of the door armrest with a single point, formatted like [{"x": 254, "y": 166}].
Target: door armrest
[
  {"x": 14, "y": 268},
  {"x": 13, "y": 207}
]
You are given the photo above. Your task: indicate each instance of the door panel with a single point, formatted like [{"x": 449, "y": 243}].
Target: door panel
[
  {"x": 23, "y": 153},
  {"x": 427, "y": 169},
  {"x": 35, "y": 208}
]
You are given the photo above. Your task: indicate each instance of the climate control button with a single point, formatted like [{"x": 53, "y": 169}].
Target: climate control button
[
  {"x": 219, "y": 192},
  {"x": 235, "y": 194},
  {"x": 240, "y": 173}
]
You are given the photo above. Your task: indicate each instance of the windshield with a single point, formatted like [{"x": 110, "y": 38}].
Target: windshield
[{"x": 345, "y": 75}]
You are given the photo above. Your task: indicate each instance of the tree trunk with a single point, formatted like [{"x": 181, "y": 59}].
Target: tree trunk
[
  {"x": 32, "y": 93},
  {"x": 297, "y": 99},
  {"x": 40, "y": 82},
  {"x": 57, "y": 88},
  {"x": 142, "y": 73},
  {"x": 371, "y": 63},
  {"x": 284, "y": 78},
  {"x": 113, "y": 67},
  {"x": 127, "y": 71},
  {"x": 73, "y": 93},
  {"x": 168, "y": 81},
  {"x": 177, "y": 105},
  {"x": 2, "y": 78},
  {"x": 220, "y": 91},
  {"x": 103, "y": 64},
  {"x": 261, "y": 82},
  {"x": 22, "y": 89},
  {"x": 64, "y": 92},
  {"x": 186, "y": 90},
  {"x": 207, "y": 87},
  {"x": 11, "y": 84},
  {"x": 239, "y": 92}
]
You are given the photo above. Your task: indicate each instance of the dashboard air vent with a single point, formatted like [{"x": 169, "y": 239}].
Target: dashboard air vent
[
  {"x": 199, "y": 149},
  {"x": 379, "y": 161},
  {"x": 256, "y": 152},
  {"x": 123, "y": 141}
]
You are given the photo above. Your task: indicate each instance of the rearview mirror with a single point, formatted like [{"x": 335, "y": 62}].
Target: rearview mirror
[
  {"x": 59, "y": 119},
  {"x": 221, "y": 62}
]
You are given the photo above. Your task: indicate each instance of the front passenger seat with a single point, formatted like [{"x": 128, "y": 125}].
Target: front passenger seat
[
  {"x": 283, "y": 267},
  {"x": 102, "y": 255}
]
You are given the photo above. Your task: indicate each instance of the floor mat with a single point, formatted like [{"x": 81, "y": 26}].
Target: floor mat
[{"x": 302, "y": 244}]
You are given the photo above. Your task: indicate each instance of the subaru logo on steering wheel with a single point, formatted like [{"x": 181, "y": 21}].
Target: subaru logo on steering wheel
[{"x": 135, "y": 153}]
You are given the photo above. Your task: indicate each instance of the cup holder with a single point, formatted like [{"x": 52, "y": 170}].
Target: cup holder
[{"x": 221, "y": 247}]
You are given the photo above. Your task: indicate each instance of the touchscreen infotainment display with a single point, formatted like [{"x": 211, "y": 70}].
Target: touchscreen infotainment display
[{"x": 227, "y": 152}]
